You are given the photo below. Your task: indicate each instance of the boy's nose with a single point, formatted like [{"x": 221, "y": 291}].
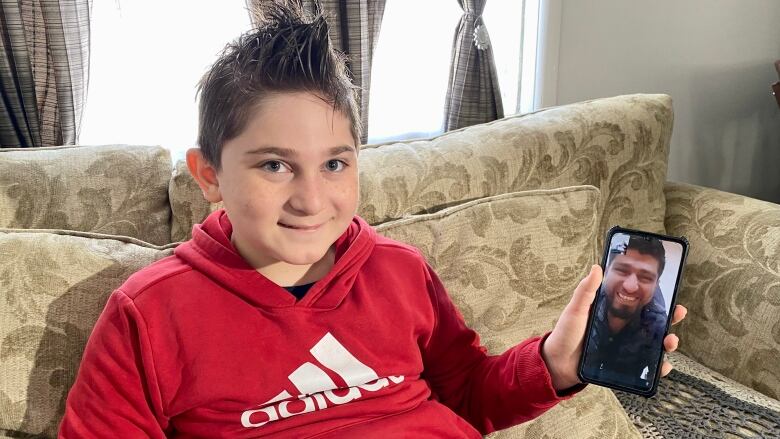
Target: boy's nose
[
  {"x": 307, "y": 196},
  {"x": 631, "y": 283}
]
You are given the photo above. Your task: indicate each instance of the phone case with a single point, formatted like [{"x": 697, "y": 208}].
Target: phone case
[{"x": 652, "y": 391}]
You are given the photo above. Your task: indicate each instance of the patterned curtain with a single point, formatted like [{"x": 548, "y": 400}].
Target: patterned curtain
[
  {"x": 354, "y": 30},
  {"x": 473, "y": 95},
  {"x": 44, "y": 71}
]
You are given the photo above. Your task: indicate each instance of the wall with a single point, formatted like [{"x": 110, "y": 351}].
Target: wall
[{"x": 714, "y": 57}]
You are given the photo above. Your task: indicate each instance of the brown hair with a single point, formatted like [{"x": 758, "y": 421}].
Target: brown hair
[{"x": 287, "y": 52}]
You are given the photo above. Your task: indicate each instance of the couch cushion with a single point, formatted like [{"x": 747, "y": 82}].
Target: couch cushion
[
  {"x": 510, "y": 263},
  {"x": 111, "y": 189},
  {"x": 53, "y": 286},
  {"x": 619, "y": 145},
  {"x": 593, "y": 413}
]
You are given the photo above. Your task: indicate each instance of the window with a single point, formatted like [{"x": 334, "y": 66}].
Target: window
[
  {"x": 146, "y": 59},
  {"x": 411, "y": 68},
  {"x": 412, "y": 61}
]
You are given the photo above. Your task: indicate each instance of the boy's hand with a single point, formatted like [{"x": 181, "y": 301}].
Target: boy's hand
[{"x": 562, "y": 348}]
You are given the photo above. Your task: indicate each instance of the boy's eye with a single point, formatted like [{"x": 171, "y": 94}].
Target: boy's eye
[
  {"x": 274, "y": 166},
  {"x": 333, "y": 165}
]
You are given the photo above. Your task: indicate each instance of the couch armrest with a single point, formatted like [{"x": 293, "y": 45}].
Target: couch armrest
[{"x": 731, "y": 284}]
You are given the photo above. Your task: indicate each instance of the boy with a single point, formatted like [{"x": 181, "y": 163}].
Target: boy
[{"x": 286, "y": 315}]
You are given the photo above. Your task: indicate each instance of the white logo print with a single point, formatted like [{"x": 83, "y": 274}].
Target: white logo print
[{"x": 315, "y": 386}]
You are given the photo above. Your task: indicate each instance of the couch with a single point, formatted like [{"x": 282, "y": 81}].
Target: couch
[{"x": 510, "y": 213}]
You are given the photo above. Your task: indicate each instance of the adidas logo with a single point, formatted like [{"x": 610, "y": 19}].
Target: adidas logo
[{"x": 317, "y": 391}]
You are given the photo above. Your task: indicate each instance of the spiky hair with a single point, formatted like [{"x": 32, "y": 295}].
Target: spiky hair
[{"x": 288, "y": 51}]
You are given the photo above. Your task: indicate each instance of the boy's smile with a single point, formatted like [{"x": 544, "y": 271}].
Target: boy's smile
[{"x": 289, "y": 183}]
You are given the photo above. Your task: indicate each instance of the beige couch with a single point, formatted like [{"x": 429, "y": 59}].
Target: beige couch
[{"x": 510, "y": 213}]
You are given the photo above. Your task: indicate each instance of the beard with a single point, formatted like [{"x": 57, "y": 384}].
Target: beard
[{"x": 620, "y": 312}]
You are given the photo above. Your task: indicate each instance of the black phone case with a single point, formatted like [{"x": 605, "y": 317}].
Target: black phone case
[{"x": 652, "y": 391}]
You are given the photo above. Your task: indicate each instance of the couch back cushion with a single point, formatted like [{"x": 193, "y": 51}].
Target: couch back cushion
[
  {"x": 53, "y": 286},
  {"x": 619, "y": 145},
  {"x": 110, "y": 189},
  {"x": 510, "y": 263}
]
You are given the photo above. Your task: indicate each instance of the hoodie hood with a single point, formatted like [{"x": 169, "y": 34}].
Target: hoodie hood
[
  {"x": 211, "y": 253},
  {"x": 654, "y": 313}
]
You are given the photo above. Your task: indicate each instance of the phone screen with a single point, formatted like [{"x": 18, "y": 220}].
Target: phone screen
[{"x": 631, "y": 313}]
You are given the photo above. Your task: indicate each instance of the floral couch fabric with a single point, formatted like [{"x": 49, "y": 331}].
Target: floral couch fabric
[
  {"x": 53, "y": 286},
  {"x": 97, "y": 189},
  {"x": 731, "y": 283}
]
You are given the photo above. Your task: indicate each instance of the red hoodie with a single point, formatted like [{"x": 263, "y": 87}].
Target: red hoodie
[{"x": 200, "y": 344}]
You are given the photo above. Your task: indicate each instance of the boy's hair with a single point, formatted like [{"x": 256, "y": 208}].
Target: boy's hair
[{"x": 287, "y": 52}]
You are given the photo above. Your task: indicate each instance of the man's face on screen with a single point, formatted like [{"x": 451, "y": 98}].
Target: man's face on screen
[{"x": 630, "y": 283}]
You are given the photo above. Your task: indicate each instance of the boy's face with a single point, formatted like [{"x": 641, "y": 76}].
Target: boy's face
[{"x": 295, "y": 164}]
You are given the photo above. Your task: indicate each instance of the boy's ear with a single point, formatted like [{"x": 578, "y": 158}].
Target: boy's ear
[{"x": 205, "y": 174}]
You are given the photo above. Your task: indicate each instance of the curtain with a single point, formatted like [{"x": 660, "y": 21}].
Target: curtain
[
  {"x": 354, "y": 29},
  {"x": 473, "y": 94},
  {"x": 44, "y": 71}
]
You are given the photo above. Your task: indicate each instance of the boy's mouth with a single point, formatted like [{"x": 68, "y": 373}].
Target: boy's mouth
[{"x": 315, "y": 227}]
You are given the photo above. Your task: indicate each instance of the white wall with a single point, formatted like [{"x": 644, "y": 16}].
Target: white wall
[{"x": 714, "y": 57}]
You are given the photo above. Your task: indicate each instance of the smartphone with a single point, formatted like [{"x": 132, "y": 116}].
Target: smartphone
[{"x": 632, "y": 311}]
